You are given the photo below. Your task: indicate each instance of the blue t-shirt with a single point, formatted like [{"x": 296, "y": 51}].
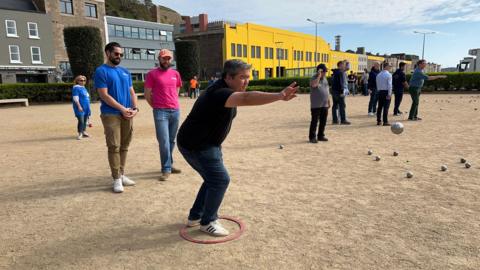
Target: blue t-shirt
[
  {"x": 418, "y": 78},
  {"x": 118, "y": 82},
  {"x": 84, "y": 99}
]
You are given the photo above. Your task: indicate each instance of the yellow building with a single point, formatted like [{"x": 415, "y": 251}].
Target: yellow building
[
  {"x": 271, "y": 51},
  {"x": 350, "y": 57}
]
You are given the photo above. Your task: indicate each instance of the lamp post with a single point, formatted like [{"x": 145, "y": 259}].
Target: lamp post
[
  {"x": 316, "y": 35},
  {"x": 278, "y": 57},
  {"x": 424, "y": 34}
]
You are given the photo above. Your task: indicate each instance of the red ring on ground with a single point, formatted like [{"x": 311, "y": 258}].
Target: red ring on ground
[{"x": 237, "y": 234}]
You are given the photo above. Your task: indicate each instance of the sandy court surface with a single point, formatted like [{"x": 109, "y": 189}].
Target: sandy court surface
[{"x": 323, "y": 206}]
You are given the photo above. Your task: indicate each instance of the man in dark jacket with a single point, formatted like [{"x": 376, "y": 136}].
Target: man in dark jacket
[
  {"x": 372, "y": 89},
  {"x": 399, "y": 83},
  {"x": 338, "y": 94}
]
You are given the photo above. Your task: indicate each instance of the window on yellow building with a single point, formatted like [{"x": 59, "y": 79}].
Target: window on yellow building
[
  {"x": 252, "y": 51},
  {"x": 239, "y": 50},
  {"x": 233, "y": 49},
  {"x": 301, "y": 56},
  {"x": 244, "y": 50},
  {"x": 286, "y": 54},
  {"x": 271, "y": 53},
  {"x": 258, "y": 55}
]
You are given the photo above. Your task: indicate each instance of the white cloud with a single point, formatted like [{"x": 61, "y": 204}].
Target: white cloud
[{"x": 282, "y": 13}]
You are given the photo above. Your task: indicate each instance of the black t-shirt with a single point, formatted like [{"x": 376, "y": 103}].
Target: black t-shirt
[
  {"x": 398, "y": 79},
  {"x": 209, "y": 121}
]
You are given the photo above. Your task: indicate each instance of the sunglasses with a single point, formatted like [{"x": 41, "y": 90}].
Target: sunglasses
[
  {"x": 118, "y": 54},
  {"x": 81, "y": 80}
]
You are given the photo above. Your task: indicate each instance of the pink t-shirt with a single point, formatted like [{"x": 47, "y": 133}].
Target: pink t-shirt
[{"x": 164, "y": 84}]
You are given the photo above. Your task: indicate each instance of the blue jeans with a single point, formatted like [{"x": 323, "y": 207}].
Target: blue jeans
[
  {"x": 372, "y": 105},
  {"x": 82, "y": 123},
  {"x": 166, "y": 126},
  {"x": 208, "y": 163}
]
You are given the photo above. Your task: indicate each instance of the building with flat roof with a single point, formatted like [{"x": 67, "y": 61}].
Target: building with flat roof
[
  {"x": 141, "y": 41},
  {"x": 27, "y": 55}
]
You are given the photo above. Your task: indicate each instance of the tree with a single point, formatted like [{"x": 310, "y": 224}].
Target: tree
[
  {"x": 84, "y": 48},
  {"x": 188, "y": 58}
]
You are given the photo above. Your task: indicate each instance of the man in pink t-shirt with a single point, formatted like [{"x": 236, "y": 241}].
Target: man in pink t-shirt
[{"x": 161, "y": 92}]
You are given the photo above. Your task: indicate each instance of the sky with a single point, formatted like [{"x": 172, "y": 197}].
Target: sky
[{"x": 379, "y": 26}]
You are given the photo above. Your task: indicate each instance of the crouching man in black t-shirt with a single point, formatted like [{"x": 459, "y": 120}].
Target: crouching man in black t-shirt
[{"x": 206, "y": 127}]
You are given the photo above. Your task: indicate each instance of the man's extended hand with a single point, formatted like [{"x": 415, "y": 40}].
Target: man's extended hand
[{"x": 289, "y": 92}]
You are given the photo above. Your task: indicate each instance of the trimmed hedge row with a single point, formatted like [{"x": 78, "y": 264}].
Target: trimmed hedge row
[
  {"x": 48, "y": 92},
  {"x": 455, "y": 81},
  {"x": 54, "y": 92}
]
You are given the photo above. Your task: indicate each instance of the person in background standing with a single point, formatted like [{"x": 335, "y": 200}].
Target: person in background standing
[
  {"x": 364, "y": 81},
  {"x": 399, "y": 83},
  {"x": 384, "y": 92},
  {"x": 193, "y": 86},
  {"x": 352, "y": 83},
  {"x": 372, "y": 88},
  {"x": 81, "y": 105},
  {"x": 319, "y": 104},
  {"x": 161, "y": 92}
]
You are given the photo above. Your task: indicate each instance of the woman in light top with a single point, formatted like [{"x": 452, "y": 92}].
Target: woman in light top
[{"x": 81, "y": 105}]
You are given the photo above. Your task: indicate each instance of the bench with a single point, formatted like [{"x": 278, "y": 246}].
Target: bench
[{"x": 15, "y": 100}]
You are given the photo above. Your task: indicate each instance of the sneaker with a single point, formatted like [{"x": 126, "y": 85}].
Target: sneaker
[
  {"x": 193, "y": 223},
  {"x": 127, "y": 181},
  {"x": 379, "y": 123},
  {"x": 164, "y": 177},
  {"x": 370, "y": 114},
  {"x": 334, "y": 123},
  {"x": 85, "y": 135},
  {"x": 79, "y": 137},
  {"x": 313, "y": 140},
  {"x": 175, "y": 170},
  {"x": 323, "y": 139},
  {"x": 117, "y": 185},
  {"x": 410, "y": 119},
  {"x": 418, "y": 118},
  {"x": 214, "y": 228},
  {"x": 386, "y": 124},
  {"x": 345, "y": 123}
]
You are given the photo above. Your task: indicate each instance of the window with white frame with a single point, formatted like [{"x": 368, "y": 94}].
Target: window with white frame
[
  {"x": 11, "y": 26},
  {"x": 33, "y": 30},
  {"x": 14, "y": 51},
  {"x": 36, "y": 55}
]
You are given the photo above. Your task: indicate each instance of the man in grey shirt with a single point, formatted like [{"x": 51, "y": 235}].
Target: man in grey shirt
[{"x": 319, "y": 104}]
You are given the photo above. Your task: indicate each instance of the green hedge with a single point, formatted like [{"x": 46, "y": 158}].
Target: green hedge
[
  {"x": 37, "y": 92},
  {"x": 48, "y": 92},
  {"x": 54, "y": 92},
  {"x": 455, "y": 81}
]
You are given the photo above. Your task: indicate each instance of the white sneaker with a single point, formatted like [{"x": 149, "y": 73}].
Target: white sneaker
[
  {"x": 117, "y": 185},
  {"x": 127, "y": 181},
  {"x": 193, "y": 223},
  {"x": 79, "y": 137},
  {"x": 214, "y": 228}
]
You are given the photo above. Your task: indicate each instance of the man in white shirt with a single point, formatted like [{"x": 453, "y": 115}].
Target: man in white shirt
[{"x": 384, "y": 88}]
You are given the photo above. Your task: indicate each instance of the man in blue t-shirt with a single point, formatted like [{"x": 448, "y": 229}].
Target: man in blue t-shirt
[
  {"x": 119, "y": 106},
  {"x": 416, "y": 83}
]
